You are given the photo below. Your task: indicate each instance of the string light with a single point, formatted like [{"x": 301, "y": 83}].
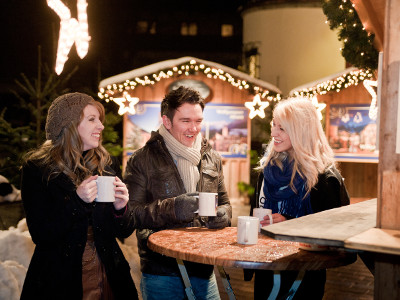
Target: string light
[
  {"x": 358, "y": 45},
  {"x": 71, "y": 31},
  {"x": 342, "y": 82},
  {"x": 191, "y": 67}
]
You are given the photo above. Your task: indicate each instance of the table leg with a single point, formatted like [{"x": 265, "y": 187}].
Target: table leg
[
  {"x": 295, "y": 285},
  {"x": 186, "y": 281},
  {"x": 277, "y": 285},
  {"x": 226, "y": 283}
]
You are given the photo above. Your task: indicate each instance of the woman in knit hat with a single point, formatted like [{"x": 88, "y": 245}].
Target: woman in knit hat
[{"x": 76, "y": 255}]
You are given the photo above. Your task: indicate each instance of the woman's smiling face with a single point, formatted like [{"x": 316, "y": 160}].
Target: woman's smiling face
[
  {"x": 281, "y": 139},
  {"x": 90, "y": 128}
]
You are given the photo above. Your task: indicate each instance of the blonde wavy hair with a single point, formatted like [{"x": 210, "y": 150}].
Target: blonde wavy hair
[
  {"x": 65, "y": 154},
  {"x": 311, "y": 153}
]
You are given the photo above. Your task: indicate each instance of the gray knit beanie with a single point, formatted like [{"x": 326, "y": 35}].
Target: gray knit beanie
[{"x": 63, "y": 111}]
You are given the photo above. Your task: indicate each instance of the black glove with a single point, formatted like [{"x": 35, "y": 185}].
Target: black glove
[
  {"x": 222, "y": 219},
  {"x": 185, "y": 207}
]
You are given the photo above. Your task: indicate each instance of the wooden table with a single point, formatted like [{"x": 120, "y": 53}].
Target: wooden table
[
  {"x": 219, "y": 247},
  {"x": 335, "y": 226},
  {"x": 349, "y": 227}
]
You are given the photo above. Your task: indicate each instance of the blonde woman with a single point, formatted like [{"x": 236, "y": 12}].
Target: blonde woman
[
  {"x": 299, "y": 177},
  {"x": 76, "y": 255}
]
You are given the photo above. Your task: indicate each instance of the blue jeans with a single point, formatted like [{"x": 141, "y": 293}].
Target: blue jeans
[{"x": 156, "y": 287}]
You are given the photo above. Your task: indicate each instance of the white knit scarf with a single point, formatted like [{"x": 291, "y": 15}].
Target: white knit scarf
[{"x": 187, "y": 158}]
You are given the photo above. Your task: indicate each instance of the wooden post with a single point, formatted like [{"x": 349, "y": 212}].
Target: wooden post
[
  {"x": 389, "y": 161},
  {"x": 387, "y": 268}
]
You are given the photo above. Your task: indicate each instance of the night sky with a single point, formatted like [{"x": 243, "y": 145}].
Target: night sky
[
  {"x": 26, "y": 24},
  {"x": 29, "y": 23}
]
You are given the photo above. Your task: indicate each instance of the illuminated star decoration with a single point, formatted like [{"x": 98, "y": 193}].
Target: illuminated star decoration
[
  {"x": 71, "y": 30},
  {"x": 122, "y": 102},
  {"x": 318, "y": 106},
  {"x": 373, "y": 109},
  {"x": 256, "y": 107}
]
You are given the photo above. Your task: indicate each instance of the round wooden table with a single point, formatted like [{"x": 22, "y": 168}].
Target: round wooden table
[{"x": 219, "y": 247}]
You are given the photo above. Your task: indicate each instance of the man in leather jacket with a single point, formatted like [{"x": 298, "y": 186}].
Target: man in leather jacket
[{"x": 163, "y": 179}]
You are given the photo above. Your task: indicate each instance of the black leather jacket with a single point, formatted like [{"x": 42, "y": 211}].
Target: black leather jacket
[{"x": 153, "y": 181}]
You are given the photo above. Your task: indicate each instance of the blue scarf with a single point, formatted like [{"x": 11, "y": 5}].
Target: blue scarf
[{"x": 280, "y": 197}]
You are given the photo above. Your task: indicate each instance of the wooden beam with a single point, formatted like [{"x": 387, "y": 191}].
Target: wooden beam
[
  {"x": 389, "y": 161},
  {"x": 372, "y": 16},
  {"x": 387, "y": 268}
]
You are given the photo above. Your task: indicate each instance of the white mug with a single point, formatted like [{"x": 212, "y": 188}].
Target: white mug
[
  {"x": 247, "y": 230},
  {"x": 208, "y": 203},
  {"x": 260, "y": 213},
  {"x": 105, "y": 189}
]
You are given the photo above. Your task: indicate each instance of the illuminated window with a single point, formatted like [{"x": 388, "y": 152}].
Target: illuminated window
[
  {"x": 252, "y": 62},
  {"x": 141, "y": 26},
  {"x": 152, "y": 29},
  {"x": 226, "y": 30},
  {"x": 188, "y": 28}
]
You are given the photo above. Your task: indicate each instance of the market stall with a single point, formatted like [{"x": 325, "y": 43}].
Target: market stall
[
  {"x": 226, "y": 116},
  {"x": 351, "y": 122}
]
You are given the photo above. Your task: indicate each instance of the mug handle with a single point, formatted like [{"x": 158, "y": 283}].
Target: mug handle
[
  {"x": 246, "y": 232},
  {"x": 271, "y": 221},
  {"x": 197, "y": 211}
]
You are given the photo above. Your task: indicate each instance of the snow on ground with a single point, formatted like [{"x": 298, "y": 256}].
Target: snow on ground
[{"x": 16, "y": 249}]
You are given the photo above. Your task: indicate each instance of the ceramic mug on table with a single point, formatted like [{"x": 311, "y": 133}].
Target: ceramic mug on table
[
  {"x": 260, "y": 213},
  {"x": 105, "y": 189},
  {"x": 247, "y": 230},
  {"x": 208, "y": 203}
]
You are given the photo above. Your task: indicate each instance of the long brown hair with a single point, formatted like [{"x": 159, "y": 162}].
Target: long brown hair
[{"x": 65, "y": 155}]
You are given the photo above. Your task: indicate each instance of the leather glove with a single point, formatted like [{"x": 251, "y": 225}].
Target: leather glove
[
  {"x": 185, "y": 207},
  {"x": 222, "y": 219}
]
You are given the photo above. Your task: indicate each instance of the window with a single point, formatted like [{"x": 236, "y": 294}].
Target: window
[
  {"x": 143, "y": 27},
  {"x": 152, "y": 29},
  {"x": 188, "y": 28},
  {"x": 226, "y": 30},
  {"x": 252, "y": 61}
]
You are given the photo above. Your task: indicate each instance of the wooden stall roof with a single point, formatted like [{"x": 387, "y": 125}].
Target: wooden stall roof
[
  {"x": 372, "y": 16},
  {"x": 166, "y": 64},
  {"x": 319, "y": 81}
]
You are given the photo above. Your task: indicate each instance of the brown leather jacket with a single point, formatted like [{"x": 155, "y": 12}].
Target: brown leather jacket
[{"x": 153, "y": 181}]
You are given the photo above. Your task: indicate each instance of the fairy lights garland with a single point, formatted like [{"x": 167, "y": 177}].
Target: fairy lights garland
[
  {"x": 336, "y": 85},
  {"x": 358, "y": 48},
  {"x": 189, "y": 68}
]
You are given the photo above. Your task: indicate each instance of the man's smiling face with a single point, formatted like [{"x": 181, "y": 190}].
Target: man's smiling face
[{"x": 186, "y": 123}]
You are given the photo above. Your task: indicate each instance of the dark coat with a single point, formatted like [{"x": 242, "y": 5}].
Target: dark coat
[
  {"x": 58, "y": 221},
  {"x": 329, "y": 192},
  {"x": 153, "y": 181}
]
